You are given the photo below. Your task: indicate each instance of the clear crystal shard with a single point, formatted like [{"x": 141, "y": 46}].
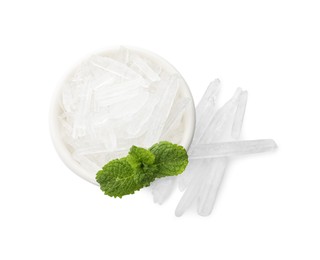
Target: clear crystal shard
[
  {"x": 216, "y": 172},
  {"x": 117, "y": 69},
  {"x": 236, "y": 148},
  {"x": 161, "y": 112},
  {"x": 239, "y": 116},
  {"x": 190, "y": 193},
  {"x": 144, "y": 115},
  {"x": 95, "y": 149},
  {"x": 209, "y": 191},
  {"x": 122, "y": 55},
  {"x": 162, "y": 188},
  {"x": 204, "y": 175},
  {"x": 121, "y": 88},
  {"x": 175, "y": 117},
  {"x": 216, "y": 130},
  {"x": 141, "y": 66},
  {"x": 105, "y": 100},
  {"x": 219, "y": 127},
  {"x": 205, "y": 110}
]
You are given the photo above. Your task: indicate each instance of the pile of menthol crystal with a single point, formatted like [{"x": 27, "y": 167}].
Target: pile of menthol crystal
[
  {"x": 111, "y": 102},
  {"x": 215, "y": 141}
]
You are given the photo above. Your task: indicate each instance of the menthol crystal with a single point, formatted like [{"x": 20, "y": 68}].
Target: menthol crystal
[
  {"x": 216, "y": 141},
  {"x": 227, "y": 149},
  {"x": 113, "y": 102}
]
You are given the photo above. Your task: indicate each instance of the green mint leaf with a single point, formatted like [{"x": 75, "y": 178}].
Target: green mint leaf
[
  {"x": 139, "y": 156},
  {"x": 146, "y": 174},
  {"x": 118, "y": 178},
  {"x": 141, "y": 167},
  {"x": 171, "y": 159},
  {"x": 142, "y": 160}
]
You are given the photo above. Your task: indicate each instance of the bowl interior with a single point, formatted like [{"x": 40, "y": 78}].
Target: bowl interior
[{"x": 188, "y": 120}]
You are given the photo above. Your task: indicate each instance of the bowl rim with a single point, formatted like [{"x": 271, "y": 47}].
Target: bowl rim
[{"x": 55, "y": 107}]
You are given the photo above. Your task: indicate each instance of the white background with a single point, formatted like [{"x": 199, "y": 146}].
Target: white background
[{"x": 269, "y": 204}]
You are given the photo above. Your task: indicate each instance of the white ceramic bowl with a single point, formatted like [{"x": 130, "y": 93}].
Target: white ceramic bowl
[{"x": 56, "y": 109}]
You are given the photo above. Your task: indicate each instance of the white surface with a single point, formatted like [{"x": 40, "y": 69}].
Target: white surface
[{"x": 268, "y": 205}]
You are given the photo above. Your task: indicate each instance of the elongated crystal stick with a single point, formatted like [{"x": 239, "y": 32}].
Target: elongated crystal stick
[
  {"x": 114, "y": 67},
  {"x": 177, "y": 111},
  {"x": 162, "y": 110},
  {"x": 185, "y": 178},
  {"x": 205, "y": 110},
  {"x": 83, "y": 107},
  {"x": 127, "y": 108},
  {"x": 144, "y": 116},
  {"x": 190, "y": 194},
  {"x": 219, "y": 126},
  {"x": 122, "y": 55},
  {"x": 121, "y": 88},
  {"x": 239, "y": 116},
  {"x": 217, "y": 130},
  {"x": 94, "y": 149},
  {"x": 143, "y": 68},
  {"x": 107, "y": 100},
  {"x": 162, "y": 188},
  {"x": 210, "y": 190},
  {"x": 235, "y": 148}
]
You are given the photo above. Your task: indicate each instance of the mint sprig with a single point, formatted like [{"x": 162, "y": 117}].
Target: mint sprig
[{"x": 140, "y": 167}]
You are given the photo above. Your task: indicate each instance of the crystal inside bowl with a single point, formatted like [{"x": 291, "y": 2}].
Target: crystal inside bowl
[{"x": 160, "y": 67}]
